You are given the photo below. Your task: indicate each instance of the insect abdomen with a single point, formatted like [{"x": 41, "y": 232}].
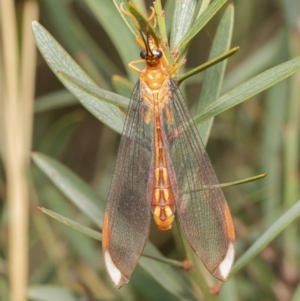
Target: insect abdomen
[{"x": 163, "y": 203}]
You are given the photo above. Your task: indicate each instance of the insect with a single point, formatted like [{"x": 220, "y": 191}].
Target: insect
[{"x": 163, "y": 168}]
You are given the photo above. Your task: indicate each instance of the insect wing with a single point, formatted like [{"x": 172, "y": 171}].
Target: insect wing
[
  {"x": 201, "y": 205},
  {"x": 127, "y": 216}
]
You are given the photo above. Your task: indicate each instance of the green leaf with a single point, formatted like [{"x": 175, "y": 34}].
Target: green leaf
[
  {"x": 182, "y": 20},
  {"x": 166, "y": 276},
  {"x": 229, "y": 291},
  {"x": 96, "y": 92},
  {"x": 280, "y": 224},
  {"x": 72, "y": 186},
  {"x": 98, "y": 236},
  {"x": 213, "y": 61},
  {"x": 257, "y": 61},
  {"x": 271, "y": 148},
  {"x": 203, "y": 7},
  {"x": 243, "y": 181},
  {"x": 250, "y": 88},
  {"x": 141, "y": 20},
  {"x": 59, "y": 60},
  {"x": 129, "y": 22},
  {"x": 213, "y": 77},
  {"x": 122, "y": 39},
  {"x": 198, "y": 24},
  {"x": 169, "y": 9},
  {"x": 173, "y": 282},
  {"x": 68, "y": 222},
  {"x": 77, "y": 40},
  {"x": 161, "y": 22}
]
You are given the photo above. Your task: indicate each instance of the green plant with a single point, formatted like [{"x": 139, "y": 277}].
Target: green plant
[{"x": 258, "y": 274}]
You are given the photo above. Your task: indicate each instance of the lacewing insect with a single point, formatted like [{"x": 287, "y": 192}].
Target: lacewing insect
[{"x": 162, "y": 167}]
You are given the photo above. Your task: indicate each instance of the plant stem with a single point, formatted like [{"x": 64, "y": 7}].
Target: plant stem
[{"x": 17, "y": 96}]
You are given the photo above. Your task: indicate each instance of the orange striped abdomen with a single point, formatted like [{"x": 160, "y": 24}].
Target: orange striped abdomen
[{"x": 162, "y": 203}]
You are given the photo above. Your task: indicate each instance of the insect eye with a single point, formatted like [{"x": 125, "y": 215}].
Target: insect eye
[
  {"x": 143, "y": 54},
  {"x": 157, "y": 53}
]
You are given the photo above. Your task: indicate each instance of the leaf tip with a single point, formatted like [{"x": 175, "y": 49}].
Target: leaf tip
[
  {"x": 34, "y": 23},
  {"x": 231, "y": 5}
]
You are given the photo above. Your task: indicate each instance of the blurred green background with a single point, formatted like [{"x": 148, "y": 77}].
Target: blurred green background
[{"x": 260, "y": 135}]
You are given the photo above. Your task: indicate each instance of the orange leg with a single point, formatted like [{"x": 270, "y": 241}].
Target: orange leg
[{"x": 132, "y": 66}]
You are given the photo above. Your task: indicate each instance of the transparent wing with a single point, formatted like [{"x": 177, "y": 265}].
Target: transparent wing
[
  {"x": 201, "y": 205},
  {"x": 127, "y": 215}
]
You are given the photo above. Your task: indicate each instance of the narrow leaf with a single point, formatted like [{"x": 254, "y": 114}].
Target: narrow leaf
[
  {"x": 98, "y": 236},
  {"x": 289, "y": 216},
  {"x": 129, "y": 22},
  {"x": 182, "y": 19},
  {"x": 157, "y": 266},
  {"x": 208, "y": 64},
  {"x": 95, "y": 91},
  {"x": 58, "y": 60},
  {"x": 68, "y": 222},
  {"x": 173, "y": 282},
  {"x": 213, "y": 77},
  {"x": 108, "y": 16},
  {"x": 78, "y": 40},
  {"x": 72, "y": 186},
  {"x": 203, "y": 6},
  {"x": 243, "y": 181},
  {"x": 250, "y": 88},
  {"x": 198, "y": 25}
]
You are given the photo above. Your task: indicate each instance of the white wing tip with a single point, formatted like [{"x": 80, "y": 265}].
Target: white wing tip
[
  {"x": 225, "y": 266},
  {"x": 115, "y": 274}
]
